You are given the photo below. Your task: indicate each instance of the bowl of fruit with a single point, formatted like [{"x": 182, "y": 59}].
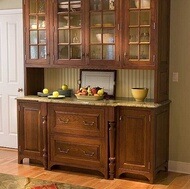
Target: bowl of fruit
[{"x": 90, "y": 93}]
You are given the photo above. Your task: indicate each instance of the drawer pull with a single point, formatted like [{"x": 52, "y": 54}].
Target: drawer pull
[
  {"x": 88, "y": 154},
  {"x": 64, "y": 120},
  {"x": 88, "y": 124},
  {"x": 64, "y": 151}
]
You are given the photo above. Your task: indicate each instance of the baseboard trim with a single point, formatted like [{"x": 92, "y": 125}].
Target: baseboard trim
[{"x": 179, "y": 167}]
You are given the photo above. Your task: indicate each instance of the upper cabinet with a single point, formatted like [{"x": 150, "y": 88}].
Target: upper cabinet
[
  {"x": 138, "y": 33},
  {"x": 72, "y": 33},
  {"x": 36, "y": 30}
]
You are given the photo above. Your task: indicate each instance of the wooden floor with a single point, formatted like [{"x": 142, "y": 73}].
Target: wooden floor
[{"x": 9, "y": 165}]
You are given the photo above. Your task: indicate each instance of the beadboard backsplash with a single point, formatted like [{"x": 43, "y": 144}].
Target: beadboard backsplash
[{"x": 126, "y": 79}]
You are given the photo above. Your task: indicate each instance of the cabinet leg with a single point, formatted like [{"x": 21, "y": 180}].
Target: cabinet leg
[{"x": 112, "y": 149}]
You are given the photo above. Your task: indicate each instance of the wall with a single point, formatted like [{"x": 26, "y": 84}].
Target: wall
[
  {"x": 180, "y": 91},
  {"x": 10, "y": 4}
]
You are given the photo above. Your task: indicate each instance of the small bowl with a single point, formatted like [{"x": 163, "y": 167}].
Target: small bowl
[{"x": 139, "y": 94}]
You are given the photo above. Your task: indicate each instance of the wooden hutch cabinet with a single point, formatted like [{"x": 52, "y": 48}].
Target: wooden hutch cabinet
[
  {"x": 96, "y": 34},
  {"x": 32, "y": 131}
]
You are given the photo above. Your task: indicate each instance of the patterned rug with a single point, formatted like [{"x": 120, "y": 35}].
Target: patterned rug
[{"x": 19, "y": 182}]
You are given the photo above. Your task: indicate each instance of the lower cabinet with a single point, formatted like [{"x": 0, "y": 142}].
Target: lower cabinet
[
  {"x": 31, "y": 134},
  {"x": 115, "y": 141},
  {"x": 142, "y": 141},
  {"x": 78, "y": 137}
]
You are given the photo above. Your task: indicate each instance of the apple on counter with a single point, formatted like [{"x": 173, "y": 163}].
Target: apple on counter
[
  {"x": 55, "y": 94},
  {"x": 64, "y": 87},
  {"x": 45, "y": 91}
]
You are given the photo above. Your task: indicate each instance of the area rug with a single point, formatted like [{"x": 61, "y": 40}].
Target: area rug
[{"x": 18, "y": 182}]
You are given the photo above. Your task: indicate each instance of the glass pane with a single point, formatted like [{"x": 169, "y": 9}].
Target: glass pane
[
  {"x": 96, "y": 52},
  {"x": 134, "y": 3},
  {"x": 33, "y": 22},
  {"x": 75, "y": 52},
  {"x": 108, "y": 20},
  {"x": 133, "y": 35},
  {"x": 109, "y": 52},
  {"x": 145, "y": 3},
  {"x": 62, "y": 22},
  {"x": 111, "y": 4},
  {"x": 63, "y": 5},
  {"x": 41, "y": 22},
  {"x": 63, "y": 36},
  {"x": 68, "y": 19},
  {"x": 41, "y": 6},
  {"x": 42, "y": 37},
  {"x": 134, "y": 18},
  {"x": 144, "y": 35},
  {"x": 63, "y": 52},
  {"x": 75, "y": 5},
  {"x": 95, "y": 20},
  {"x": 33, "y": 52},
  {"x": 75, "y": 36},
  {"x": 33, "y": 37},
  {"x": 133, "y": 51},
  {"x": 108, "y": 36},
  {"x": 32, "y": 6},
  {"x": 42, "y": 52},
  {"x": 95, "y": 36},
  {"x": 76, "y": 21},
  {"x": 145, "y": 18},
  {"x": 144, "y": 52}
]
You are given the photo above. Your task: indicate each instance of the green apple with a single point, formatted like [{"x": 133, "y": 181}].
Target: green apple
[
  {"x": 55, "y": 93},
  {"x": 100, "y": 92},
  {"x": 64, "y": 87},
  {"x": 45, "y": 91}
]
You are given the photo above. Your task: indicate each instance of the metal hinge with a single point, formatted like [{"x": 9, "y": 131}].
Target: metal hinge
[
  {"x": 118, "y": 27},
  {"x": 154, "y": 58},
  {"x": 148, "y": 165},
  {"x": 154, "y": 25},
  {"x": 24, "y": 2},
  {"x": 19, "y": 148},
  {"x": 120, "y": 118}
]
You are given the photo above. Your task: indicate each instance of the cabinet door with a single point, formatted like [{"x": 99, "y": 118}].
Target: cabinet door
[
  {"x": 133, "y": 141},
  {"x": 138, "y": 33},
  {"x": 68, "y": 32},
  {"x": 29, "y": 131},
  {"x": 36, "y": 31},
  {"x": 102, "y": 50}
]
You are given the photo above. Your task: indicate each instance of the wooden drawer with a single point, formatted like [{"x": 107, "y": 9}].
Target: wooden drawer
[
  {"x": 78, "y": 152},
  {"x": 77, "y": 120}
]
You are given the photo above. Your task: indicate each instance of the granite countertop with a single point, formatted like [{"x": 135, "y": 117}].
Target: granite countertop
[{"x": 130, "y": 102}]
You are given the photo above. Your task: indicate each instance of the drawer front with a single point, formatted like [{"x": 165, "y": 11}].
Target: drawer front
[
  {"x": 77, "y": 120},
  {"x": 78, "y": 151}
]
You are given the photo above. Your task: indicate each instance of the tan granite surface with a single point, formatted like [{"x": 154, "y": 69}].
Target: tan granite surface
[{"x": 130, "y": 102}]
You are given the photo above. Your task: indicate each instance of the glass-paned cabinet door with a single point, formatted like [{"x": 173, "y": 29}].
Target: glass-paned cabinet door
[
  {"x": 68, "y": 34},
  {"x": 102, "y": 30},
  {"x": 36, "y": 42},
  {"x": 139, "y": 30}
]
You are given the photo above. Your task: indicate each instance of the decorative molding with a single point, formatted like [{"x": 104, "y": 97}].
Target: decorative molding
[
  {"x": 179, "y": 167},
  {"x": 10, "y": 11}
]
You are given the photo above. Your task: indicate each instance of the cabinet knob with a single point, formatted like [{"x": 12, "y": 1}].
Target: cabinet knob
[{"x": 20, "y": 90}]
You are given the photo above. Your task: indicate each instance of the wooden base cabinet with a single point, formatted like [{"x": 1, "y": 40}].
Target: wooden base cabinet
[
  {"x": 32, "y": 131},
  {"x": 78, "y": 137},
  {"x": 142, "y": 141}
]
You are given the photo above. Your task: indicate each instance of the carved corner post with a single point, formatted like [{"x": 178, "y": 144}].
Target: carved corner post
[
  {"x": 44, "y": 130},
  {"x": 112, "y": 126}
]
